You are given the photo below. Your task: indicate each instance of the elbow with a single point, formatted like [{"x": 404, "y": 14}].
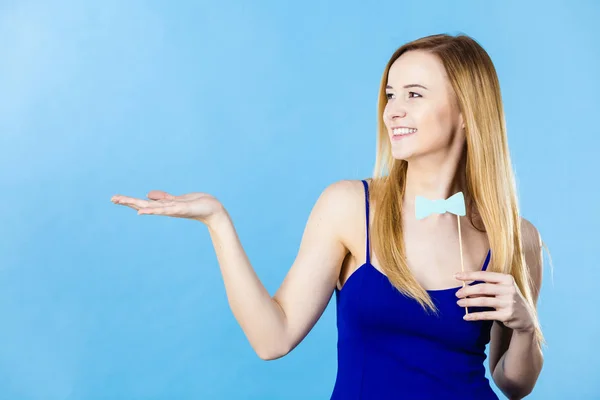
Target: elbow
[
  {"x": 266, "y": 356},
  {"x": 271, "y": 351},
  {"x": 514, "y": 390},
  {"x": 517, "y": 396},
  {"x": 270, "y": 354},
  {"x": 520, "y": 395},
  {"x": 517, "y": 385}
]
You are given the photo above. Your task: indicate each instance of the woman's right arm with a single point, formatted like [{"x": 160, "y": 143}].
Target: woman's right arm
[{"x": 274, "y": 325}]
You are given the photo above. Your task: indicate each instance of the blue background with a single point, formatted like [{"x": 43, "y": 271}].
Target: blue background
[{"x": 262, "y": 104}]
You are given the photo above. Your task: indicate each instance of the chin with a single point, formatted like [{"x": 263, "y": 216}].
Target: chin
[
  {"x": 405, "y": 149},
  {"x": 400, "y": 157},
  {"x": 404, "y": 154}
]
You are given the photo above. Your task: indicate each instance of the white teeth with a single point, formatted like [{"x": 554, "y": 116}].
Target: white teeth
[{"x": 403, "y": 131}]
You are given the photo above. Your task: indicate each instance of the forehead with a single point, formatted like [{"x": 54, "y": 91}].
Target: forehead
[{"x": 417, "y": 67}]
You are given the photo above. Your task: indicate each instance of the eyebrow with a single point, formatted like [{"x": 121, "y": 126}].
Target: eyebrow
[{"x": 409, "y": 86}]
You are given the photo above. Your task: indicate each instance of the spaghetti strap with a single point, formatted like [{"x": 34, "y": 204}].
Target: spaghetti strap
[
  {"x": 366, "y": 185},
  {"x": 487, "y": 260}
]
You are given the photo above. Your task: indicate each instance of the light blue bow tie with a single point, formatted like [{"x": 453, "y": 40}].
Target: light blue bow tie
[{"x": 454, "y": 204}]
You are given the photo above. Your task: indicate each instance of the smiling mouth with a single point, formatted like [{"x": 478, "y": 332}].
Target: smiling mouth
[{"x": 401, "y": 133}]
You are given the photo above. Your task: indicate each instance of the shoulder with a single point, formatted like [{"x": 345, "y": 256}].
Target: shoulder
[
  {"x": 343, "y": 204},
  {"x": 344, "y": 192},
  {"x": 531, "y": 238},
  {"x": 347, "y": 198},
  {"x": 532, "y": 249},
  {"x": 342, "y": 197}
]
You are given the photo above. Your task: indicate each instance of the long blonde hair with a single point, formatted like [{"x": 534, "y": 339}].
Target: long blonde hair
[{"x": 487, "y": 174}]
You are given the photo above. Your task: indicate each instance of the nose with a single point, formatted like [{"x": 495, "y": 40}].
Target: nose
[{"x": 393, "y": 112}]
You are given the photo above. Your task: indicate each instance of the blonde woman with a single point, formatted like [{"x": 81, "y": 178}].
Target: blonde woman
[{"x": 407, "y": 326}]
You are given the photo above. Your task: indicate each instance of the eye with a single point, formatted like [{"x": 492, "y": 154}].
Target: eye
[{"x": 409, "y": 95}]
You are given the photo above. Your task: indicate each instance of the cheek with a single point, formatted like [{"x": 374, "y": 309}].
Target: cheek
[{"x": 437, "y": 122}]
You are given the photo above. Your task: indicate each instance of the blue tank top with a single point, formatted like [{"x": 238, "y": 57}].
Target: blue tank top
[{"x": 390, "y": 348}]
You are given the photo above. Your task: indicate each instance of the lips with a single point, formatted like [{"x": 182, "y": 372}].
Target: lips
[
  {"x": 402, "y": 137},
  {"x": 403, "y": 131}
]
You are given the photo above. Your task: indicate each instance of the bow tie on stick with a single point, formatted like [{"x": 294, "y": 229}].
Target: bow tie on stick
[{"x": 454, "y": 204}]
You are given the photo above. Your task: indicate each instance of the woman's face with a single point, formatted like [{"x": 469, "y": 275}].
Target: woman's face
[{"x": 422, "y": 104}]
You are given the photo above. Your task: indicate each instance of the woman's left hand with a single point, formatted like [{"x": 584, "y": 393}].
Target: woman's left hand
[{"x": 498, "y": 291}]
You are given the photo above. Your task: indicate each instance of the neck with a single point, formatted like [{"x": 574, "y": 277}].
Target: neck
[{"x": 433, "y": 179}]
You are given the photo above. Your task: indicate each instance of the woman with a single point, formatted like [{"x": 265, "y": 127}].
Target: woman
[{"x": 400, "y": 306}]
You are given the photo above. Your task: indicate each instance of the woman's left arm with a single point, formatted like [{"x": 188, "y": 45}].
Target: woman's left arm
[{"x": 515, "y": 356}]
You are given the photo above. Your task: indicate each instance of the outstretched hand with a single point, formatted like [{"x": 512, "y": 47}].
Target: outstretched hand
[{"x": 197, "y": 206}]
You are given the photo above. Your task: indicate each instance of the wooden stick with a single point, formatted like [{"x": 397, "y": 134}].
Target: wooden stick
[{"x": 462, "y": 265}]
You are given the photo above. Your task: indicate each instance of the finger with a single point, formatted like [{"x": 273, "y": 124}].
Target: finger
[
  {"x": 473, "y": 296},
  {"x": 486, "y": 276},
  {"x": 160, "y": 195},
  {"x": 483, "y": 315},
  {"x": 160, "y": 203},
  {"x": 131, "y": 202},
  {"x": 481, "y": 289},
  {"x": 160, "y": 210},
  {"x": 492, "y": 302},
  {"x": 117, "y": 198}
]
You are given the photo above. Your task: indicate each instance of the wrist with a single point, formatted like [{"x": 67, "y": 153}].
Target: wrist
[
  {"x": 218, "y": 219},
  {"x": 529, "y": 331}
]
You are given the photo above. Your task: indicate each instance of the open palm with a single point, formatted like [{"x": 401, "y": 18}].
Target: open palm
[{"x": 196, "y": 206}]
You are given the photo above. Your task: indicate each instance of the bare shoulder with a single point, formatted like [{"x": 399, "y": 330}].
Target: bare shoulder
[
  {"x": 532, "y": 240},
  {"x": 344, "y": 195},
  {"x": 532, "y": 248},
  {"x": 345, "y": 201}
]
